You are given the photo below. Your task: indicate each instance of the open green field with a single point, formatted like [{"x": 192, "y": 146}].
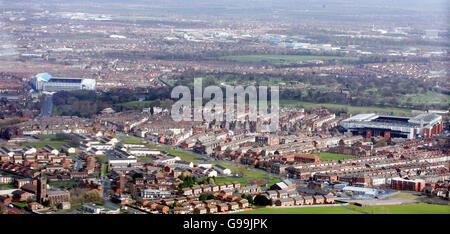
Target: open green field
[
  {"x": 183, "y": 155},
  {"x": 105, "y": 169},
  {"x": 332, "y": 156},
  {"x": 47, "y": 137},
  {"x": 283, "y": 59},
  {"x": 136, "y": 104},
  {"x": 407, "y": 196},
  {"x": 408, "y": 209},
  {"x": 302, "y": 210},
  {"x": 59, "y": 109},
  {"x": 427, "y": 98},
  {"x": 21, "y": 204},
  {"x": 400, "y": 209},
  {"x": 54, "y": 140},
  {"x": 9, "y": 186},
  {"x": 351, "y": 109},
  {"x": 145, "y": 158},
  {"x": 41, "y": 144},
  {"x": 130, "y": 140},
  {"x": 65, "y": 184},
  {"x": 247, "y": 174},
  {"x": 102, "y": 158},
  {"x": 243, "y": 180}
]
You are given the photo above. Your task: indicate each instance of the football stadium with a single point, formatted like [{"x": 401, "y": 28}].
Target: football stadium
[
  {"x": 45, "y": 82},
  {"x": 423, "y": 125}
]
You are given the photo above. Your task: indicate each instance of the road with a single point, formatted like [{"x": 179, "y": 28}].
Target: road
[
  {"x": 47, "y": 107},
  {"x": 78, "y": 163},
  {"x": 110, "y": 154},
  {"x": 106, "y": 186}
]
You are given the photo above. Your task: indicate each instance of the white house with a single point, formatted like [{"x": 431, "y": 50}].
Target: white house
[
  {"x": 168, "y": 160},
  {"x": 204, "y": 165},
  {"x": 29, "y": 150},
  {"x": 222, "y": 170},
  {"x": 68, "y": 149},
  {"x": 51, "y": 150},
  {"x": 208, "y": 172},
  {"x": 96, "y": 151},
  {"x": 102, "y": 146},
  {"x": 183, "y": 164}
]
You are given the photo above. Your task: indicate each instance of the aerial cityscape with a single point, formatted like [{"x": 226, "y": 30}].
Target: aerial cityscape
[{"x": 347, "y": 111}]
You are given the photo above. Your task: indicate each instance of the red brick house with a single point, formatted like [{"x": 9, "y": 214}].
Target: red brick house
[
  {"x": 222, "y": 207},
  {"x": 329, "y": 199},
  {"x": 285, "y": 202},
  {"x": 211, "y": 209},
  {"x": 200, "y": 210},
  {"x": 162, "y": 209},
  {"x": 319, "y": 199},
  {"x": 233, "y": 206},
  {"x": 299, "y": 201}
]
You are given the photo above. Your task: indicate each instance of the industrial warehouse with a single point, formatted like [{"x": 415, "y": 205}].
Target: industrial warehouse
[
  {"x": 424, "y": 125},
  {"x": 45, "y": 82}
]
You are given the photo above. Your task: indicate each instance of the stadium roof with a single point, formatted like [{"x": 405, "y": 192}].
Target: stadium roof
[
  {"x": 48, "y": 77},
  {"x": 65, "y": 80},
  {"x": 425, "y": 118},
  {"x": 362, "y": 117},
  {"x": 44, "y": 76},
  {"x": 373, "y": 119}
]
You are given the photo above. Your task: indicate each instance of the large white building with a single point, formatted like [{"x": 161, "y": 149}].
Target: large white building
[{"x": 45, "y": 82}]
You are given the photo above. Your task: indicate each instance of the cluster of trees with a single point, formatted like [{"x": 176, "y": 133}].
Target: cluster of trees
[
  {"x": 261, "y": 200},
  {"x": 3, "y": 210},
  {"x": 85, "y": 103},
  {"x": 206, "y": 196},
  {"x": 82, "y": 196},
  {"x": 355, "y": 89},
  {"x": 208, "y": 180},
  {"x": 136, "y": 176},
  {"x": 188, "y": 182},
  {"x": 249, "y": 198}
]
